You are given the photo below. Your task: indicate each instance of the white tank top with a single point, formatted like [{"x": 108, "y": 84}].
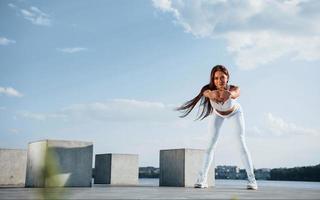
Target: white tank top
[{"x": 225, "y": 106}]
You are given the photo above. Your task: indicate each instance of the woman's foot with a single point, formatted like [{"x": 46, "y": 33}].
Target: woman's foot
[
  {"x": 201, "y": 185},
  {"x": 252, "y": 185}
]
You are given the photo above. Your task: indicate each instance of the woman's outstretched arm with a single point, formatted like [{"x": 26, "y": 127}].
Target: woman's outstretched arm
[
  {"x": 213, "y": 95},
  {"x": 234, "y": 91},
  {"x": 221, "y": 96}
]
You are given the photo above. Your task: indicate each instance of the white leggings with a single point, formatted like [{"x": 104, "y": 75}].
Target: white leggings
[{"x": 214, "y": 127}]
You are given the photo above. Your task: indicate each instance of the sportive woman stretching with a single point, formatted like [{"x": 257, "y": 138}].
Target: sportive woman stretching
[{"x": 219, "y": 99}]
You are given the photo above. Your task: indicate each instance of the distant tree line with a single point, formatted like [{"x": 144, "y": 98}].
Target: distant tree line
[{"x": 311, "y": 173}]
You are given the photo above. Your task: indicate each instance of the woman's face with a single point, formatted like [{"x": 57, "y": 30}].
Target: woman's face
[{"x": 220, "y": 80}]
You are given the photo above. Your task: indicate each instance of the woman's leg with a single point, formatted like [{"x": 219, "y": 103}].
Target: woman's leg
[
  {"x": 214, "y": 129},
  {"x": 239, "y": 122}
]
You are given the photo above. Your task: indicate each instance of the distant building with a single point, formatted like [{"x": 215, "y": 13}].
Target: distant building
[
  {"x": 226, "y": 172},
  {"x": 149, "y": 172},
  {"x": 234, "y": 172},
  {"x": 221, "y": 172}
]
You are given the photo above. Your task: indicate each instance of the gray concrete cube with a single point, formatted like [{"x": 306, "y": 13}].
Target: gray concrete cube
[
  {"x": 180, "y": 167},
  {"x": 59, "y": 163},
  {"x": 13, "y": 163},
  {"x": 116, "y": 169}
]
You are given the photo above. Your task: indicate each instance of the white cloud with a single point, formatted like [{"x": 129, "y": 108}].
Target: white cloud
[
  {"x": 30, "y": 115},
  {"x": 281, "y": 127},
  {"x": 257, "y": 32},
  {"x": 121, "y": 110},
  {"x": 9, "y": 91},
  {"x": 12, "y": 5},
  {"x": 165, "y": 6},
  {"x": 257, "y": 48},
  {"x": 14, "y": 130},
  {"x": 117, "y": 110},
  {"x": 6, "y": 41},
  {"x": 277, "y": 126},
  {"x": 40, "y": 116},
  {"x": 34, "y": 15},
  {"x": 255, "y": 130},
  {"x": 72, "y": 50}
]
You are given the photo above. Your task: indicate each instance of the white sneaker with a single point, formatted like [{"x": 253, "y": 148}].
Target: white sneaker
[
  {"x": 252, "y": 185},
  {"x": 201, "y": 185}
]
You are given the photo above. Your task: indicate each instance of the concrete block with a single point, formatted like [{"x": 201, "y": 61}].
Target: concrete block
[
  {"x": 59, "y": 163},
  {"x": 116, "y": 169},
  {"x": 13, "y": 163},
  {"x": 180, "y": 167}
]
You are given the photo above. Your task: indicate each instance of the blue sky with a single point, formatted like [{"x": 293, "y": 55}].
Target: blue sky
[{"x": 111, "y": 72}]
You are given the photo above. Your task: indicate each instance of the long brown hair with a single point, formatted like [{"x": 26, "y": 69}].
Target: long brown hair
[{"x": 207, "y": 109}]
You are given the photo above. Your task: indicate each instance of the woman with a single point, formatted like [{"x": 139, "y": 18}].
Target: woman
[{"x": 219, "y": 99}]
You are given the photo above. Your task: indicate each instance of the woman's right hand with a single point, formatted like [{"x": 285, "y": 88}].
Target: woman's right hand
[
  {"x": 213, "y": 95},
  {"x": 217, "y": 95},
  {"x": 207, "y": 93},
  {"x": 224, "y": 95}
]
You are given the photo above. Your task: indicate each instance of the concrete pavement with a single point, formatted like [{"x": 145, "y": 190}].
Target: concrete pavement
[{"x": 152, "y": 192}]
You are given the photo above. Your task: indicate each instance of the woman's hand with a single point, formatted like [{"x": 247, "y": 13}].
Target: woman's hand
[
  {"x": 224, "y": 95},
  {"x": 219, "y": 96},
  {"x": 214, "y": 95},
  {"x": 207, "y": 93}
]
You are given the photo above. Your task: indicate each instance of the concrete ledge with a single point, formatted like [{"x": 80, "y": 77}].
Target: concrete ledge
[
  {"x": 13, "y": 163},
  {"x": 180, "y": 167},
  {"x": 116, "y": 169},
  {"x": 59, "y": 163}
]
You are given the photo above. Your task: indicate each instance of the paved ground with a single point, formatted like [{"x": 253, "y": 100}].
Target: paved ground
[{"x": 148, "y": 192}]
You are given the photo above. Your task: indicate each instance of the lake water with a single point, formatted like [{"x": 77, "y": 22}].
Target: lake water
[{"x": 261, "y": 183}]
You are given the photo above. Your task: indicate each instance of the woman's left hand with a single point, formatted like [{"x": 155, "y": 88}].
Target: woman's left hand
[{"x": 224, "y": 95}]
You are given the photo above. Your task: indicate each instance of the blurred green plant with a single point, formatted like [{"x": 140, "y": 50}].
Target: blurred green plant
[{"x": 54, "y": 179}]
